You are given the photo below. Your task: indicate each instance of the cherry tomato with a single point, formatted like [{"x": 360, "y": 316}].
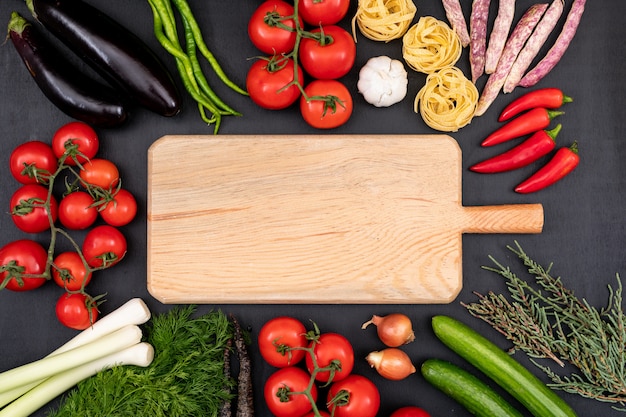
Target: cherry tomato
[
  {"x": 264, "y": 30},
  {"x": 76, "y": 210},
  {"x": 330, "y": 348},
  {"x": 22, "y": 257},
  {"x": 363, "y": 397},
  {"x": 276, "y": 336},
  {"x": 324, "y": 12},
  {"x": 330, "y": 57},
  {"x": 69, "y": 271},
  {"x": 28, "y": 209},
  {"x": 332, "y": 111},
  {"x": 33, "y": 162},
  {"x": 104, "y": 246},
  {"x": 266, "y": 81},
  {"x": 279, "y": 384},
  {"x": 121, "y": 210},
  {"x": 76, "y": 311},
  {"x": 77, "y": 141},
  {"x": 101, "y": 173},
  {"x": 410, "y": 411}
]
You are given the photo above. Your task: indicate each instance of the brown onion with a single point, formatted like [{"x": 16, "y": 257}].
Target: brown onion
[
  {"x": 391, "y": 363},
  {"x": 393, "y": 330}
]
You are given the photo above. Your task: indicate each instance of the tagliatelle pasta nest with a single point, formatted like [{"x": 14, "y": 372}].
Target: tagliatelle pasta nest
[
  {"x": 431, "y": 45},
  {"x": 384, "y": 20},
  {"x": 447, "y": 102}
]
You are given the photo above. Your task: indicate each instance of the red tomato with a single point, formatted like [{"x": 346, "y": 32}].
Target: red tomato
[
  {"x": 121, "y": 210},
  {"x": 264, "y": 27},
  {"x": 410, "y": 412},
  {"x": 33, "y": 162},
  {"x": 77, "y": 141},
  {"x": 22, "y": 257},
  {"x": 330, "y": 348},
  {"x": 363, "y": 397},
  {"x": 323, "y": 12},
  {"x": 28, "y": 209},
  {"x": 329, "y": 104},
  {"x": 279, "y": 334},
  {"x": 101, "y": 173},
  {"x": 76, "y": 210},
  {"x": 69, "y": 271},
  {"x": 266, "y": 80},
  {"x": 282, "y": 382},
  {"x": 76, "y": 311},
  {"x": 104, "y": 246},
  {"x": 330, "y": 57}
]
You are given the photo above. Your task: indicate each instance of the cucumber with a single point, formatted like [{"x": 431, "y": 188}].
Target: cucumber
[
  {"x": 498, "y": 365},
  {"x": 472, "y": 393}
]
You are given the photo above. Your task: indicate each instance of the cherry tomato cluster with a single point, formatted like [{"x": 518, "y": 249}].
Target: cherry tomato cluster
[
  {"x": 92, "y": 200},
  {"x": 328, "y": 361},
  {"x": 326, "y": 53}
]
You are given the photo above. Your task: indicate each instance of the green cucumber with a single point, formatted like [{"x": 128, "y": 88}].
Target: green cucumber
[
  {"x": 498, "y": 365},
  {"x": 473, "y": 394}
]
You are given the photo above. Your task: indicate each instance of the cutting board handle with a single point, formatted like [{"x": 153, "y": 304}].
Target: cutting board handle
[{"x": 508, "y": 218}]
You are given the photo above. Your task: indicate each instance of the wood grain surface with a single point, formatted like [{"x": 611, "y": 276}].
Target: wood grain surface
[{"x": 313, "y": 219}]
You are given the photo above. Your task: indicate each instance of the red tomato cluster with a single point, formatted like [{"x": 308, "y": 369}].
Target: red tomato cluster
[
  {"x": 93, "y": 191},
  {"x": 328, "y": 358},
  {"x": 327, "y": 52}
]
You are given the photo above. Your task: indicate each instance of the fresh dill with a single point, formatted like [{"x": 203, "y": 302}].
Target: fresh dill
[
  {"x": 186, "y": 377},
  {"x": 546, "y": 320}
]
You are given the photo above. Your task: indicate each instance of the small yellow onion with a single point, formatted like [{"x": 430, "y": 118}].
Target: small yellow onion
[
  {"x": 391, "y": 363},
  {"x": 393, "y": 330}
]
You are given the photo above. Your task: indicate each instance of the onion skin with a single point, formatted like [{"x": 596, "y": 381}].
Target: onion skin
[
  {"x": 391, "y": 363},
  {"x": 393, "y": 330}
]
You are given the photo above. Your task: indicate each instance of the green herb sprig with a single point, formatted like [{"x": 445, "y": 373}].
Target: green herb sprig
[{"x": 547, "y": 320}]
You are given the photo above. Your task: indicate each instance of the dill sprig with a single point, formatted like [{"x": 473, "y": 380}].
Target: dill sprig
[
  {"x": 186, "y": 377},
  {"x": 544, "y": 319}
]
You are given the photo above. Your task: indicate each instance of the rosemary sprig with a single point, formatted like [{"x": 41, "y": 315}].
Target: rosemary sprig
[{"x": 544, "y": 319}]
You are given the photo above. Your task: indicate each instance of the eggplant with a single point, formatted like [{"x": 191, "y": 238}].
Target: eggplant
[
  {"x": 69, "y": 89},
  {"x": 113, "y": 51}
]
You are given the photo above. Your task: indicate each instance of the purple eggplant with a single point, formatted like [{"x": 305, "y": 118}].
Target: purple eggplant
[{"x": 73, "y": 92}]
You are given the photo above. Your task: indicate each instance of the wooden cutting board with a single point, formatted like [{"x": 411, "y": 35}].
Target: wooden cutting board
[{"x": 313, "y": 219}]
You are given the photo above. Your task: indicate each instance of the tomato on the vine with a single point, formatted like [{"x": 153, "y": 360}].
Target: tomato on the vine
[
  {"x": 28, "y": 209},
  {"x": 354, "y": 396},
  {"x": 69, "y": 271},
  {"x": 324, "y": 12},
  {"x": 76, "y": 311},
  {"x": 77, "y": 140},
  {"x": 121, "y": 210},
  {"x": 278, "y": 335},
  {"x": 329, "y": 104},
  {"x": 267, "y": 82},
  {"x": 77, "y": 210},
  {"x": 265, "y": 31},
  {"x": 104, "y": 246},
  {"x": 410, "y": 411},
  {"x": 33, "y": 162},
  {"x": 101, "y": 173},
  {"x": 331, "y": 349},
  {"x": 330, "y": 57},
  {"x": 278, "y": 388},
  {"x": 22, "y": 257}
]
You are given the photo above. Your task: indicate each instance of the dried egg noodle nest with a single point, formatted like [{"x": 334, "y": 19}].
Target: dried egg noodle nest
[
  {"x": 448, "y": 100},
  {"x": 431, "y": 45},
  {"x": 384, "y": 20}
]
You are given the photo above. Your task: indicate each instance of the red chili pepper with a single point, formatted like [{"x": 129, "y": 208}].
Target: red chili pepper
[
  {"x": 563, "y": 162},
  {"x": 539, "y": 144},
  {"x": 549, "y": 98},
  {"x": 529, "y": 122}
]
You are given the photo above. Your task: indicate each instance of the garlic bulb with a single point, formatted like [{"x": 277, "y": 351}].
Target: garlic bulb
[{"x": 383, "y": 81}]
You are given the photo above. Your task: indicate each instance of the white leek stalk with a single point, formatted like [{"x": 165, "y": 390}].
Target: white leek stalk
[
  {"x": 140, "y": 354},
  {"x": 135, "y": 311}
]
